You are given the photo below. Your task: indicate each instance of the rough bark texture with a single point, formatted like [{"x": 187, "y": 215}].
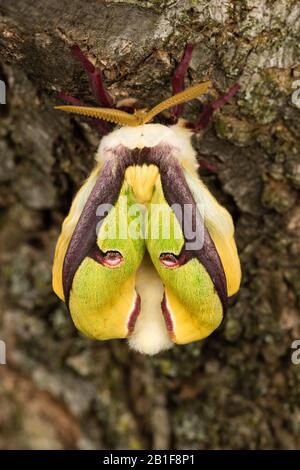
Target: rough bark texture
[{"x": 238, "y": 389}]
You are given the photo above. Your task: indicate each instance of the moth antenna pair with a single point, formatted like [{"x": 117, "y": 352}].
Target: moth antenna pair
[{"x": 140, "y": 117}]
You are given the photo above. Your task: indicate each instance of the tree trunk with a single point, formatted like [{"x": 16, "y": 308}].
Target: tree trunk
[{"x": 237, "y": 389}]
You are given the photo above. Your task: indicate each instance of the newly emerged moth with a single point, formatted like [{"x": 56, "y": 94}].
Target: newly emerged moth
[{"x": 146, "y": 252}]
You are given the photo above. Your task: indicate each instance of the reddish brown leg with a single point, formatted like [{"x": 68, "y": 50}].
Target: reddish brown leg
[
  {"x": 205, "y": 118},
  {"x": 210, "y": 167},
  {"x": 212, "y": 107},
  {"x": 178, "y": 79},
  {"x": 95, "y": 76},
  {"x": 70, "y": 99}
]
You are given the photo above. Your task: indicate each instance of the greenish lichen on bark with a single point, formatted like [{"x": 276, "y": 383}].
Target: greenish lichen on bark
[{"x": 238, "y": 389}]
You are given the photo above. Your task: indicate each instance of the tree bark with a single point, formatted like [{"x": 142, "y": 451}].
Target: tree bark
[{"x": 237, "y": 389}]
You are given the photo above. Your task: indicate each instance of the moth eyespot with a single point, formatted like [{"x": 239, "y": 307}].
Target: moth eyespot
[
  {"x": 169, "y": 260},
  {"x": 112, "y": 259}
]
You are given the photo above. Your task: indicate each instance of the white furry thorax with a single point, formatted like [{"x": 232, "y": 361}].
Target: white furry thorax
[{"x": 150, "y": 135}]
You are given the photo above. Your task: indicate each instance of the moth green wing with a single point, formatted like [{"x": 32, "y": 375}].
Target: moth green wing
[
  {"x": 103, "y": 300},
  {"x": 101, "y": 260},
  {"x": 195, "y": 287}
]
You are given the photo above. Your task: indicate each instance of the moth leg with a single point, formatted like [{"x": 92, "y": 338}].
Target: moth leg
[
  {"x": 178, "y": 79},
  {"x": 212, "y": 107},
  {"x": 210, "y": 167},
  {"x": 70, "y": 99},
  {"x": 95, "y": 77},
  {"x": 102, "y": 126}
]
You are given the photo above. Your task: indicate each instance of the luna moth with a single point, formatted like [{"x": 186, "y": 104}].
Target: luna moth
[{"x": 154, "y": 276}]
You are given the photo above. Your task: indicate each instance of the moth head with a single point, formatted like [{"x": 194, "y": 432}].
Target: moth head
[{"x": 140, "y": 116}]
